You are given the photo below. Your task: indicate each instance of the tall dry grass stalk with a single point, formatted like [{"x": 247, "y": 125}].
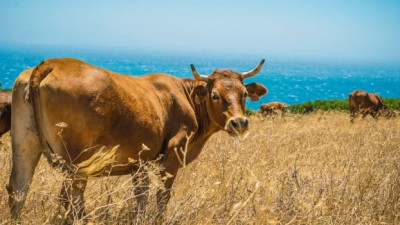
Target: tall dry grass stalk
[{"x": 310, "y": 169}]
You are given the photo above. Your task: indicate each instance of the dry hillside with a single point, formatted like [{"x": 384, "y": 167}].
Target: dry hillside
[{"x": 310, "y": 169}]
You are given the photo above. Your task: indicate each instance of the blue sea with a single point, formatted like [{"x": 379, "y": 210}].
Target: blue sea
[{"x": 289, "y": 81}]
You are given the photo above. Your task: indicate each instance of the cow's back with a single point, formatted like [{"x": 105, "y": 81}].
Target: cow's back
[{"x": 358, "y": 99}]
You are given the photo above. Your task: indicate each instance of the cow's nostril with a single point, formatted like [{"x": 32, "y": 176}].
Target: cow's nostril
[
  {"x": 244, "y": 122},
  {"x": 234, "y": 124}
]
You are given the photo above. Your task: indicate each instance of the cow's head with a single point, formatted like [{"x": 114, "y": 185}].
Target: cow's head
[
  {"x": 225, "y": 97},
  {"x": 380, "y": 103}
]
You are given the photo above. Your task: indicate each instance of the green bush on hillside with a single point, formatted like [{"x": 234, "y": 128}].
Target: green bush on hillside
[
  {"x": 250, "y": 112},
  {"x": 335, "y": 104},
  {"x": 392, "y": 103}
]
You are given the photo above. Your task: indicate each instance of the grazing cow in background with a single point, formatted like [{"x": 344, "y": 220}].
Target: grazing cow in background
[
  {"x": 74, "y": 113},
  {"x": 365, "y": 103},
  {"x": 5, "y": 111},
  {"x": 272, "y": 108}
]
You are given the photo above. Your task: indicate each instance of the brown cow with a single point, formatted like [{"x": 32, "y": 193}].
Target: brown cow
[
  {"x": 73, "y": 111},
  {"x": 365, "y": 103},
  {"x": 5, "y": 112},
  {"x": 272, "y": 108}
]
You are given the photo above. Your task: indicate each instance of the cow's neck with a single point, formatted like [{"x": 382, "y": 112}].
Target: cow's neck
[{"x": 205, "y": 126}]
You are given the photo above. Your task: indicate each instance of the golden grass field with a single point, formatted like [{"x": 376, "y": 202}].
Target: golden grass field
[{"x": 299, "y": 169}]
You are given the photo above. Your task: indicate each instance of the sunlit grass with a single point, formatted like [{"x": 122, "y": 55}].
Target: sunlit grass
[{"x": 311, "y": 169}]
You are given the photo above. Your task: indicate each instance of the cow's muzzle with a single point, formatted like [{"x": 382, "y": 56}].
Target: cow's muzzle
[{"x": 237, "y": 125}]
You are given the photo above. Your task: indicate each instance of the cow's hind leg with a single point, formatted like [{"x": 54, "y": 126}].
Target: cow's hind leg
[
  {"x": 24, "y": 161},
  {"x": 26, "y": 150}
]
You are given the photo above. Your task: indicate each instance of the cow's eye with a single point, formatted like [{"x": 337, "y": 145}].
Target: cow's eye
[{"x": 214, "y": 96}]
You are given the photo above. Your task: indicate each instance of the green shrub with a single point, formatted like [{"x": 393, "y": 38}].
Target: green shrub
[
  {"x": 392, "y": 103},
  {"x": 250, "y": 112},
  {"x": 335, "y": 104}
]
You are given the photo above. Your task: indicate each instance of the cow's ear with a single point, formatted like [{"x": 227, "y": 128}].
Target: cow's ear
[
  {"x": 199, "y": 94},
  {"x": 255, "y": 91}
]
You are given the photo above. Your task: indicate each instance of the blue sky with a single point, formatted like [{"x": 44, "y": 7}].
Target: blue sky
[{"x": 360, "y": 30}]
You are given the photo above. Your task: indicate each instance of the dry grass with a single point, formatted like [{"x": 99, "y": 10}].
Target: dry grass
[{"x": 310, "y": 169}]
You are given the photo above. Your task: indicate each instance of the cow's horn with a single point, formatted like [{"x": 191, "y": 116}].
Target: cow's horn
[
  {"x": 253, "y": 71},
  {"x": 197, "y": 76}
]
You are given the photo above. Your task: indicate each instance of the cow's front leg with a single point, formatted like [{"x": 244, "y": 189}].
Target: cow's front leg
[
  {"x": 141, "y": 189},
  {"x": 174, "y": 159},
  {"x": 71, "y": 197},
  {"x": 169, "y": 174}
]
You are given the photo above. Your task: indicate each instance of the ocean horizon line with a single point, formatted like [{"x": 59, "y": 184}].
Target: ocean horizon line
[{"x": 57, "y": 49}]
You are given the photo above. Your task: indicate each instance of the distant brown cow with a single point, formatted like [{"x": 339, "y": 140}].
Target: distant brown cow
[
  {"x": 5, "y": 112},
  {"x": 272, "y": 108},
  {"x": 365, "y": 103}
]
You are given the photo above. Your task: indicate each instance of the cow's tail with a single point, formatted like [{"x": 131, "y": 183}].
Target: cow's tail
[
  {"x": 38, "y": 74},
  {"x": 32, "y": 94}
]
